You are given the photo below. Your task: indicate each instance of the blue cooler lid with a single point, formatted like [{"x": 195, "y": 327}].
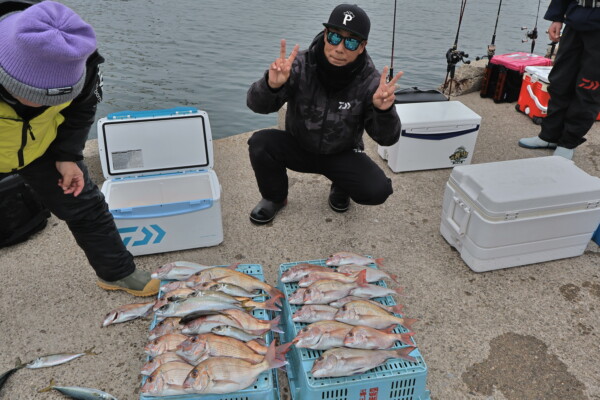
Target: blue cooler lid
[{"x": 154, "y": 142}]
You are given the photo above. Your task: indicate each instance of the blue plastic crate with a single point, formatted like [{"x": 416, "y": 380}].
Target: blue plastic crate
[
  {"x": 266, "y": 386},
  {"x": 396, "y": 379}
]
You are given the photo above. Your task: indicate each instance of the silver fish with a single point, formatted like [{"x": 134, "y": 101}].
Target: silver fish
[
  {"x": 345, "y": 257},
  {"x": 178, "y": 270},
  {"x": 237, "y": 333},
  {"x": 228, "y": 288},
  {"x": 193, "y": 305},
  {"x": 127, "y": 312},
  {"x": 81, "y": 393},
  {"x": 57, "y": 359},
  {"x": 370, "y": 291},
  {"x": 345, "y": 362},
  {"x": 4, "y": 377}
]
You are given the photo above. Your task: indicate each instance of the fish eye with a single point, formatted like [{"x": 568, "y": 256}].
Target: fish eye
[
  {"x": 150, "y": 379},
  {"x": 304, "y": 330},
  {"x": 193, "y": 339},
  {"x": 194, "y": 373},
  {"x": 350, "y": 334},
  {"x": 165, "y": 307}
]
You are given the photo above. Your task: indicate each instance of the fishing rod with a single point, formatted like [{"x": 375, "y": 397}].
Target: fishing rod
[
  {"x": 491, "y": 50},
  {"x": 391, "y": 74},
  {"x": 453, "y": 55},
  {"x": 533, "y": 35}
]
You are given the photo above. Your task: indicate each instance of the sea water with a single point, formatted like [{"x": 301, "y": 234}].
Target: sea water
[{"x": 206, "y": 53}]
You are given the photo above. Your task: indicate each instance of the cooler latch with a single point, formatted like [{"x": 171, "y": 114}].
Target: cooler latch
[{"x": 459, "y": 217}]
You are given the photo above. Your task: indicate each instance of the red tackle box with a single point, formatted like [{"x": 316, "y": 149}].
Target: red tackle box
[{"x": 504, "y": 74}]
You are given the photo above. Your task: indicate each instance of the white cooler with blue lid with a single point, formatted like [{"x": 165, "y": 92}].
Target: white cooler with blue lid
[
  {"x": 161, "y": 187},
  {"x": 434, "y": 135},
  {"x": 510, "y": 213}
]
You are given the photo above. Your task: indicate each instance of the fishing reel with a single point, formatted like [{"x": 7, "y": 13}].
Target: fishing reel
[
  {"x": 453, "y": 56},
  {"x": 529, "y": 35},
  {"x": 491, "y": 50}
]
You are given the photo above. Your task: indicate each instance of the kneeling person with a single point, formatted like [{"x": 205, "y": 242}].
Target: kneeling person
[{"x": 333, "y": 94}]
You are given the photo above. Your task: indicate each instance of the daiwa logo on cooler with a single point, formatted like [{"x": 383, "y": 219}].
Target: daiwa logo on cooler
[
  {"x": 145, "y": 236},
  {"x": 348, "y": 16},
  {"x": 344, "y": 105}
]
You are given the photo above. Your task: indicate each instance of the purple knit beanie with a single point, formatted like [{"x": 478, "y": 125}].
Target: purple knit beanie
[{"x": 43, "y": 52}]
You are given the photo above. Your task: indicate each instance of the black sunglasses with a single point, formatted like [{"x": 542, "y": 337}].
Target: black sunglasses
[{"x": 350, "y": 43}]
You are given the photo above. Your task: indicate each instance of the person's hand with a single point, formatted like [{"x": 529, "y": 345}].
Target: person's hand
[
  {"x": 279, "y": 71},
  {"x": 554, "y": 31},
  {"x": 72, "y": 177},
  {"x": 384, "y": 96}
]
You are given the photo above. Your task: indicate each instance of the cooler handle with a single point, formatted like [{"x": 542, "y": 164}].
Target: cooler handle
[
  {"x": 536, "y": 100},
  {"x": 460, "y": 228},
  {"x": 161, "y": 210},
  {"x": 439, "y": 136}
]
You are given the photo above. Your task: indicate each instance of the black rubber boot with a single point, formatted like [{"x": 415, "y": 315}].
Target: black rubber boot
[
  {"x": 339, "y": 201},
  {"x": 265, "y": 211}
]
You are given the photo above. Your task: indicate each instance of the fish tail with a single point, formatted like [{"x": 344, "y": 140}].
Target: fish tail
[
  {"x": 90, "y": 351},
  {"x": 273, "y": 304},
  {"x": 19, "y": 363},
  {"x": 274, "y": 323},
  {"x": 404, "y": 353},
  {"x": 397, "y": 309},
  {"x": 408, "y": 323},
  {"x": 406, "y": 338},
  {"x": 379, "y": 262},
  {"x": 361, "y": 278},
  {"x": 399, "y": 291},
  {"x": 281, "y": 350},
  {"x": 275, "y": 293},
  {"x": 48, "y": 388},
  {"x": 271, "y": 357},
  {"x": 394, "y": 278},
  {"x": 233, "y": 266}
]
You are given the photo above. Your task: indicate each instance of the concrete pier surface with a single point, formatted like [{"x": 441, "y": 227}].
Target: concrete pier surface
[{"x": 530, "y": 332}]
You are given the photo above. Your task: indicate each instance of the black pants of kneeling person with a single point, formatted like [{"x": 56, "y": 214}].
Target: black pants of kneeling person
[
  {"x": 273, "y": 151},
  {"x": 574, "y": 92},
  {"x": 87, "y": 217}
]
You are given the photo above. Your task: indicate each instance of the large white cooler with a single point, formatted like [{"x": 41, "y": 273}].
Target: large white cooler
[
  {"x": 510, "y": 213},
  {"x": 439, "y": 134},
  {"x": 160, "y": 187}
]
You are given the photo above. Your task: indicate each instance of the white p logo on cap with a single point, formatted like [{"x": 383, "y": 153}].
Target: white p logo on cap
[{"x": 348, "y": 16}]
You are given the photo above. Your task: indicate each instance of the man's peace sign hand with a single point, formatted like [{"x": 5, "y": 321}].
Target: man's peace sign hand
[
  {"x": 279, "y": 71},
  {"x": 384, "y": 96}
]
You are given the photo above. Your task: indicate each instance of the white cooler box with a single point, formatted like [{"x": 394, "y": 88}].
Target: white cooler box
[
  {"x": 434, "y": 135},
  {"x": 517, "y": 212},
  {"x": 161, "y": 188}
]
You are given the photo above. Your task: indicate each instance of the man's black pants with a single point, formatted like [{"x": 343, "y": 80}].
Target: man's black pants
[
  {"x": 87, "y": 217},
  {"x": 272, "y": 151},
  {"x": 574, "y": 89}
]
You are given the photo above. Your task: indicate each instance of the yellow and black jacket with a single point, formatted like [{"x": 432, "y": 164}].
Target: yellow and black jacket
[{"x": 27, "y": 133}]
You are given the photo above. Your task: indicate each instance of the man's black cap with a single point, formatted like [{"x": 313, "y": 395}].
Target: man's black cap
[{"x": 351, "y": 18}]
